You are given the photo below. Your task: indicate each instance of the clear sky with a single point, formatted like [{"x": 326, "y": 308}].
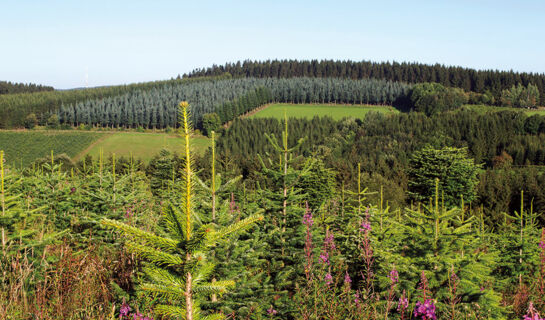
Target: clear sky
[{"x": 57, "y": 42}]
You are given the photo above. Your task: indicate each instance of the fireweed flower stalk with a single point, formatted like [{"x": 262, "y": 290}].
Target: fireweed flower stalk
[
  {"x": 532, "y": 313},
  {"x": 367, "y": 254},
  {"x": 394, "y": 278},
  {"x": 454, "y": 300},
  {"x": 403, "y": 305},
  {"x": 424, "y": 309}
]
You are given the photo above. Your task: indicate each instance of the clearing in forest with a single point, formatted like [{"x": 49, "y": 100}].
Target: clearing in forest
[
  {"x": 142, "y": 145},
  {"x": 336, "y": 111}
]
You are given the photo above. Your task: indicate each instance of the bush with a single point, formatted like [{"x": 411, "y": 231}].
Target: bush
[
  {"x": 432, "y": 98},
  {"x": 210, "y": 122},
  {"x": 31, "y": 121},
  {"x": 53, "y": 122}
]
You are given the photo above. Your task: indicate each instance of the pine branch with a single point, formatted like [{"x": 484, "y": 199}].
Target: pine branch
[
  {"x": 155, "y": 256},
  {"x": 216, "y": 287}
]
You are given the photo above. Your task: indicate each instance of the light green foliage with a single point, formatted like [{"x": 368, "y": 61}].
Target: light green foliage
[
  {"x": 457, "y": 175},
  {"x": 31, "y": 121},
  {"x": 318, "y": 185},
  {"x": 308, "y": 111},
  {"x": 520, "y": 96},
  {"x": 23, "y": 148},
  {"x": 53, "y": 122},
  {"x": 210, "y": 122},
  {"x": 432, "y": 98},
  {"x": 482, "y": 109},
  {"x": 442, "y": 242}
]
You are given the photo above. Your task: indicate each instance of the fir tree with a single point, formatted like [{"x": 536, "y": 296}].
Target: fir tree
[{"x": 179, "y": 268}]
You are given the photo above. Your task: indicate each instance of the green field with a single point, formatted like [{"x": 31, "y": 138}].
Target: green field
[
  {"x": 337, "y": 112},
  {"x": 23, "y": 147},
  {"x": 485, "y": 108},
  {"x": 142, "y": 145}
]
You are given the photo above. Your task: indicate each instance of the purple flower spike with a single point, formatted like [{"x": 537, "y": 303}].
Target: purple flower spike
[
  {"x": 271, "y": 311},
  {"x": 307, "y": 219},
  {"x": 328, "y": 279},
  {"x": 542, "y": 244},
  {"x": 124, "y": 310},
  {"x": 394, "y": 276},
  {"x": 425, "y": 311},
  {"x": 347, "y": 278},
  {"x": 324, "y": 256}
]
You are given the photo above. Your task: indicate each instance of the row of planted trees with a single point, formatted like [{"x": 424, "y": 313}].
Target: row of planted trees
[{"x": 293, "y": 248}]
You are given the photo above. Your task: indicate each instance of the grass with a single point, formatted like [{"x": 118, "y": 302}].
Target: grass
[
  {"x": 337, "y": 112},
  {"x": 485, "y": 108},
  {"x": 24, "y": 147},
  {"x": 142, "y": 145}
]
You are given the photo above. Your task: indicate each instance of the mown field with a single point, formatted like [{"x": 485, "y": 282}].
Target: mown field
[
  {"x": 142, "y": 145},
  {"x": 23, "y": 147},
  {"x": 337, "y": 112}
]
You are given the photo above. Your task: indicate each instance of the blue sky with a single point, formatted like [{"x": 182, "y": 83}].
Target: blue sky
[{"x": 58, "y": 42}]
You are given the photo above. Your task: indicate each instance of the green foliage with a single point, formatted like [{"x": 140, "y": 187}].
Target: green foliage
[
  {"x": 489, "y": 82},
  {"x": 31, "y": 121},
  {"x": 9, "y": 87},
  {"x": 179, "y": 270},
  {"x": 440, "y": 243},
  {"x": 53, "y": 122},
  {"x": 210, "y": 122},
  {"x": 456, "y": 173},
  {"x": 228, "y": 98},
  {"x": 432, "y": 98},
  {"x": 16, "y": 106},
  {"x": 520, "y": 96}
]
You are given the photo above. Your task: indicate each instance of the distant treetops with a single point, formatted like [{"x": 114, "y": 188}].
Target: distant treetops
[{"x": 491, "y": 82}]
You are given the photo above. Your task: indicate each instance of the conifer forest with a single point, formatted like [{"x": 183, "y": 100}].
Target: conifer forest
[
  {"x": 272, "y": 160},
  {"x": 435, "y": 211}
]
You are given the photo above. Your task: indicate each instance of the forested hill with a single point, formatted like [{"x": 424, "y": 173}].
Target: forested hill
[
  {"x": 479, "y": 81},
  {"x": 10, "y": 87}
]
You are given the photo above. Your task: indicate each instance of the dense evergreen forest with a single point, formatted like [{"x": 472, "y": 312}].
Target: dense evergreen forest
[
  {"x": 9, "y": 87},
  {"x": 480, "y": 81},
  {"x": 14, "y": 108},
  {"x": 156, "y": 108}
]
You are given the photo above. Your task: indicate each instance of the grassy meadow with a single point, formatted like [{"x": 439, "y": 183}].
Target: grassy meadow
[
  {"x": 142, "y": 145},
  {"x": 24, "y": 147},
  {"x": 336, "y": 111}
]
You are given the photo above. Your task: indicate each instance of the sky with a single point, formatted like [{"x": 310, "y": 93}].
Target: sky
[{"x": 68, "y": 44}]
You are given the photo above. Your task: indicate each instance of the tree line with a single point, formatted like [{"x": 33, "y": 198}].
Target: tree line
[
  {"x": 7, "y": 87},
  {"x": 480, "y": 81},
  {"x": 15, "y": 107}
]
